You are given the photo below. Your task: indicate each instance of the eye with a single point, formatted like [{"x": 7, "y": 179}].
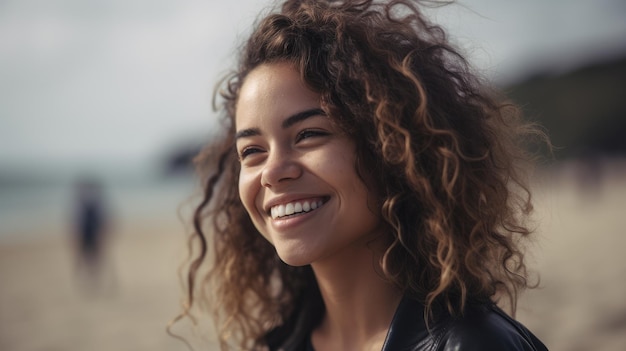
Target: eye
[
  {"x": 310, "y": 133},
  {"x": 249, "y": 150}
]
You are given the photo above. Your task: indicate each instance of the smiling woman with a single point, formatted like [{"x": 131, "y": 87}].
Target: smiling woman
[{"x": 367, "y": 194}]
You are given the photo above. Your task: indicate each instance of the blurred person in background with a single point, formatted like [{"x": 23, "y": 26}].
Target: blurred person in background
[
  {"x": 91, "y": 229},
  {"x": 369, "y": 192}
]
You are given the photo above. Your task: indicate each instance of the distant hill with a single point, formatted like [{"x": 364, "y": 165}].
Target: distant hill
[
  {"x": 584, "y": 110},
  {"x": 180, "y": 160}
]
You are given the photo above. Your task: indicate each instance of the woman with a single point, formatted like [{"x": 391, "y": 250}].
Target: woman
[{"x": 367, "y": 194}]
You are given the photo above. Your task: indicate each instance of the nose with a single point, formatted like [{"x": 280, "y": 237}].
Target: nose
[{"x": 279, "y": 168}]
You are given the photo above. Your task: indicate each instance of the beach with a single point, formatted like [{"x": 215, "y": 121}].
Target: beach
[
  {"x": 580, "y": 303},
  {"x": 46, "y": 305}
]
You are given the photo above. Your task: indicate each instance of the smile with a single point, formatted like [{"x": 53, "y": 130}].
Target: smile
[{"x": 294, "y": 208}]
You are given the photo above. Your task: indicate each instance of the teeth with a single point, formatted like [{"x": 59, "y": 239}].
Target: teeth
[
  {"x": 289, "y": 209},
  {"x": 294, "y": 207},
  {"x": 280, "y": 211}
]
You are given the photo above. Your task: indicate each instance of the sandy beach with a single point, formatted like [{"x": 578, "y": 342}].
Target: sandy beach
[
  {"x": 579, "y": 253},
  {"x": 46, "y": 306}
]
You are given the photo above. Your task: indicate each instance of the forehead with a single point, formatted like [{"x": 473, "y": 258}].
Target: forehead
[{"x": 271, "y": 91}]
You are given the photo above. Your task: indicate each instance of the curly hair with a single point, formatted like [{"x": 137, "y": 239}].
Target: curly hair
[{"x": 444, "y": 153}]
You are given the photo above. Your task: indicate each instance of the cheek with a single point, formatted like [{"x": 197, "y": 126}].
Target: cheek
[
  {"x": 360, "y": 193},
  {"x": 247, "y": 192},
  {"x": 249, "y": 188}
]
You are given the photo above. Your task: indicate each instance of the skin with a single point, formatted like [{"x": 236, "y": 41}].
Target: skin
[{"x": 291, "y": 152}]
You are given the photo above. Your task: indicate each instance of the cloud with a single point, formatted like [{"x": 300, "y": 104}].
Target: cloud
[{"x": 118, "y": 79}]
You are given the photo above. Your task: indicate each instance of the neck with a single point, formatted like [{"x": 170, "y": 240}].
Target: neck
[{"x": 360, "y": 303}]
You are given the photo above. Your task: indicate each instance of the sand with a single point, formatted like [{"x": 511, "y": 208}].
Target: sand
[
  {"x": 46, "y": 305},
  {"x": 580, "y": 255},
  {"x": 579, "y": 252}
]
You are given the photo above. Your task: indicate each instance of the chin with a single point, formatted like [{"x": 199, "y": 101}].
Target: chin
[
  {"x": 295, "y": 258},
  {"x": 294, "y": 261}
]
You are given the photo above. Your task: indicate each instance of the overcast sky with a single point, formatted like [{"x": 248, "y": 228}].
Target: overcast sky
[{"x": 123, "y": 81}]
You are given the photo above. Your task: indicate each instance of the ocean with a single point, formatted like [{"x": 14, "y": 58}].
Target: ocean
[{"x": 35, "y": 207}]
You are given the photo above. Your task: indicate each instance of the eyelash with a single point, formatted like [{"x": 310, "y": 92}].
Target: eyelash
[
  {"x": 248, "y": 151},
  {"x": 308, "y": 133}
]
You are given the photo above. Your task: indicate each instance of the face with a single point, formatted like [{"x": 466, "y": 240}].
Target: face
[{"x": 298, "y": 180}]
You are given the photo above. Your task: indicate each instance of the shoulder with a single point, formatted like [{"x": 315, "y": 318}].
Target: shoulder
[
  {"x": 485, "y": 327},
  {"x": 482, "y": 327}
]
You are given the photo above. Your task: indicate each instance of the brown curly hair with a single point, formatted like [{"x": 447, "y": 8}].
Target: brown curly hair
[{"x": 443, "y": 152}]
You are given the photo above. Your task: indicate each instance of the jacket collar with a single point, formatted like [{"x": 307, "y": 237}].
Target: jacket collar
[{"x": 408, "y": 326}]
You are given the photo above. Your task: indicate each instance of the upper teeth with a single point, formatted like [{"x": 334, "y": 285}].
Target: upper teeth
[{"x": 294, "y": 207}]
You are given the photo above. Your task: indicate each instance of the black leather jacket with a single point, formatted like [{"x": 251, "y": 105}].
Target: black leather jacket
[{"x": 483, "y": 327}]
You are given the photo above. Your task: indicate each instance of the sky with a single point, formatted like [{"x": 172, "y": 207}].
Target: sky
[{"x": 87, "y": 83}]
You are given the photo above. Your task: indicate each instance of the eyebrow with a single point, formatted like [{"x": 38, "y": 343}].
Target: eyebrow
[
  {"x": 301, "y": 116},
  {"x": 247, "y": 133},
  {"x": 288, "y": 122}
]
